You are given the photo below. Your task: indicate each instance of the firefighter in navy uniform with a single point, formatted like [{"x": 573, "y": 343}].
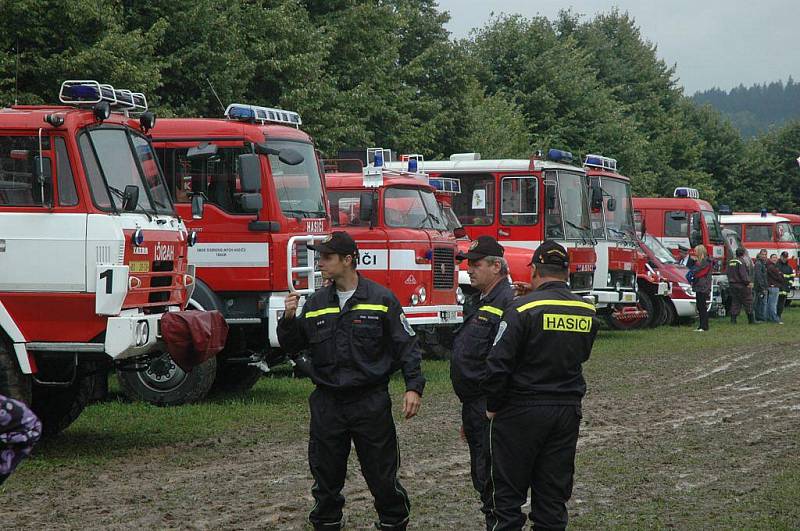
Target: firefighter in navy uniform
[
  {"x": 741, "y": 287},
  {"x": 533, "y": 388},
  {"x": 488, "y": 273},
  {"x": 788, "y": 277},
  {"x": 358, "y": 336}
]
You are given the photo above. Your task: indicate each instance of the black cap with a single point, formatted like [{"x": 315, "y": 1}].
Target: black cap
[
  {"x": 482, "y": 247},
  {"x": 549, "y": 252},
  {"x": 785, "y": 254},
  {"x": 339, "y": 242}
]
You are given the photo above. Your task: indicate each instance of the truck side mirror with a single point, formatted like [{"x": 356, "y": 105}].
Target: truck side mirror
[
  {"x": 611, "y": 205},
  {"x": 42, "y": 170},
  {"x": 198, "y": 205},
  {"x": 251, "y": 202},
  {"x": 250, "y": 173},
  {"x": 130, "y": 198},
  {"x": 287, "y": 155},
  {"x": 550, "y": 195},
  {"x": 367, "y": 207}
]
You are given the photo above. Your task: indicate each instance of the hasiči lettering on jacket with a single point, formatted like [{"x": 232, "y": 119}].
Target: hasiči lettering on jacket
[{"x": 566, "y": 323}]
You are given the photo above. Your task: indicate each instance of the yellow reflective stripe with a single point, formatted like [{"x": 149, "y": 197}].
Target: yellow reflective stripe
[
  {"x": 491, "y": 309},
  {"x": 573, "y": 304},
  {"x": 376, "y": 307},
  {"x": 323, "y": 311}
]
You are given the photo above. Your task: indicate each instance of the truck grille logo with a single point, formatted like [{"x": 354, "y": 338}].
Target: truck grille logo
[{"x": 164, "y": 252}]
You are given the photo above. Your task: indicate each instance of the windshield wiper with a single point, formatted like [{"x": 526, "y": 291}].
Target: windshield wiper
[
  {"x": 430, "y": 216},
  {"x": 305, "y": 213},
  {"x": 119, "y": 193},
  {"x": 584, "y": 231}
]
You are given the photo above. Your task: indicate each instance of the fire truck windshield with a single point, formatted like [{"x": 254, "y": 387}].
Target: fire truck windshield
[
  {"x": 662, "y": 253},
  {"x": 299, "y": 187},
  {"x": 567, "y": 208},
  {"x": 619, "y": 222},
  {"x": 714, "y": 230},
  {"x": 412, "y": 208},
  {"x": 115, "y": 158}
]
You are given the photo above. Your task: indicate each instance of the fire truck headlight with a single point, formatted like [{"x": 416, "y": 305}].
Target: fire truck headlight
[
  {"x": 142, "y": 333},
  {"x": 423, "y": 295},
  {"x": 414, "y": 299},
  {"x": 460, "y": 298}
]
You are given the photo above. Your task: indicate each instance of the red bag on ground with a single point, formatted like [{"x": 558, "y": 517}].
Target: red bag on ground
[{"x": 193, "y": 336}]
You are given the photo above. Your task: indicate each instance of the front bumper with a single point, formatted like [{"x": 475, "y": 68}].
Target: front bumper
[
  {"x": 434, "y": 315},
  {"x": 133, "y": 334},
  {"x": 609, "y": 297}
]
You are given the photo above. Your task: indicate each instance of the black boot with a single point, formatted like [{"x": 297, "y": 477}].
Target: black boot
[{"x": 733, "y": 319}]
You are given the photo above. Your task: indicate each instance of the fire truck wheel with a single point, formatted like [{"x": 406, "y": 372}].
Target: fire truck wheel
[
  {"x": 436, "y": 344},
  {"x": 13, "y": 383},
  {"x": 58, "y": 407},
  {"x": 671, "y": 315},
  {"x": 235, "y": 377},
  {"x": 646, "y": 302},
  {"x": 163, "y": 383}
]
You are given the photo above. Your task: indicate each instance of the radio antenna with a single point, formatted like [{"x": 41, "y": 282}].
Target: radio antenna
[
  {"x": 216, "y": 95},
  {"x": 16, "y": 74}
]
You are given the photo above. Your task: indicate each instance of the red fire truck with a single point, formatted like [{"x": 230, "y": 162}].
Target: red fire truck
[
  {"x": 403, "y": 241},
  {"x": 260, "y": 182},
  {"x": 92, "y": 254},
  {"x": 520, "y": 203},
  {"x": 766, "y": 231},
  {"x": 615, "y": 280},
  {"x": 686, "y": 221}
]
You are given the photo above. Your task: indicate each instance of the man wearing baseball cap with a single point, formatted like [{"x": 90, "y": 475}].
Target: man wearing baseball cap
[
  {"x": 358, "y": 336},
  {"x": 534, "y": 386},
  {"x": 488, "y": 274}
]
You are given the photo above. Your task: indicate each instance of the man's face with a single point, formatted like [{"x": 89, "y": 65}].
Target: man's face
[
  {"x": 481, "y": 273},
  {"x": 784, "y": 258},
  {"x": 774, "y": 258},
  {"x": 332, "y": 265},
  {"x": 762, "y": 255}
]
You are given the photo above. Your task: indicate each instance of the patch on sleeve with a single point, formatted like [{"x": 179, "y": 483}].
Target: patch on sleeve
[
  {"x": 407, "y": 325},
  {"x": 500, "y": 331}
]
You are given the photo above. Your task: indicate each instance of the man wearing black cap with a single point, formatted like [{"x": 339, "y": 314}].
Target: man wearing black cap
[
  {"x": 534, "y": 387},
  {"x": 488, "y": 273},
  {"x": 741, "y": 287},
  {"x": 358, "y": 336}
]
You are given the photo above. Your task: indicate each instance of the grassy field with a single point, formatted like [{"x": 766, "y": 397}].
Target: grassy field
[{"x": 681, "y": 429}]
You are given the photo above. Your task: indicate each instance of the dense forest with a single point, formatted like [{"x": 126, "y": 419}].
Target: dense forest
[
  {"x": 386, "y": 73},
  {"x": 754, "y": 110}
]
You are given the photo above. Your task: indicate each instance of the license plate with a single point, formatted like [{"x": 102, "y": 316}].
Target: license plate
[
  {"x": 139, "y": 267},
  {"x": 447, "y": 316},
  {"x": 628, "y": 297}
]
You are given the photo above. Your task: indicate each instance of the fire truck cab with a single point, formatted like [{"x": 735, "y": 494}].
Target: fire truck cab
[
  {"x": 259, "y": 183},
  {"x": 615, "y": 281},
  {"x": 92, "y": 253},
  {"x": 766, "y": 231},
  {"x": 403, "y": 240},
  {"x": 521, "y": 203},
  {"x": 685, "y": 220}
]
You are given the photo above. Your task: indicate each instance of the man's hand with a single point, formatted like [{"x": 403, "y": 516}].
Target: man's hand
[
  {"x": 490, "y": 414},
  {"x": 750, "y": 285},
  {"x": 522, "y": 288},
  {"x": 411, "y": 403},
  {"x": 290, "y": 305}
]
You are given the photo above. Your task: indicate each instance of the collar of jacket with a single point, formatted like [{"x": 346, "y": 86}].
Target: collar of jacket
[
  {"x": 361, "y": 293},
  {"x": 553, "y": 284},
  {"x": 495, "y": 292}
]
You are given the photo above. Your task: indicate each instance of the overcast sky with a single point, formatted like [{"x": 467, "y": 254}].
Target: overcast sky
[{"x": 713, "y": 42}]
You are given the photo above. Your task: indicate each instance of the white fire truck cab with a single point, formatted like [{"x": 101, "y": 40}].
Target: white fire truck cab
[{"x": 92, "y": 253}]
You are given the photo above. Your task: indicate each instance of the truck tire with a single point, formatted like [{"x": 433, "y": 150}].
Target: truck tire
[
  {"x": 436, "y": 344},
  {"x": 646, "y": 302},
  {"x": 58, "y": 407},
  {"x": 235, "y": 377},
  {"x": 163, "y": 383},
  {"x": 13, "y": 383}
]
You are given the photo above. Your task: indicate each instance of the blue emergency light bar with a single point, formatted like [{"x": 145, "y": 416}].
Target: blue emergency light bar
[
  {"x": 557, "y": 155},
  {"x": 255, "y": 113},
  {"x": 89, "y": 92},
  {"x": 601, "y": 162},
  {"x": 446, "y": 184},
  {"x": 684, "y": 191}
]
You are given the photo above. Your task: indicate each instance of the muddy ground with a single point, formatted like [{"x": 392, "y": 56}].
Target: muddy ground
[{"x": 691, "y": 440}]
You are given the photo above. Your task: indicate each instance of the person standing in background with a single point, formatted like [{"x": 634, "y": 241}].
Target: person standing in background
[
  {"x": 788, "y": 278},
  {"x": 775, "y": 283},
  {"x": 701, "y": 284},
  {"x": 760, "y": 286}
]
